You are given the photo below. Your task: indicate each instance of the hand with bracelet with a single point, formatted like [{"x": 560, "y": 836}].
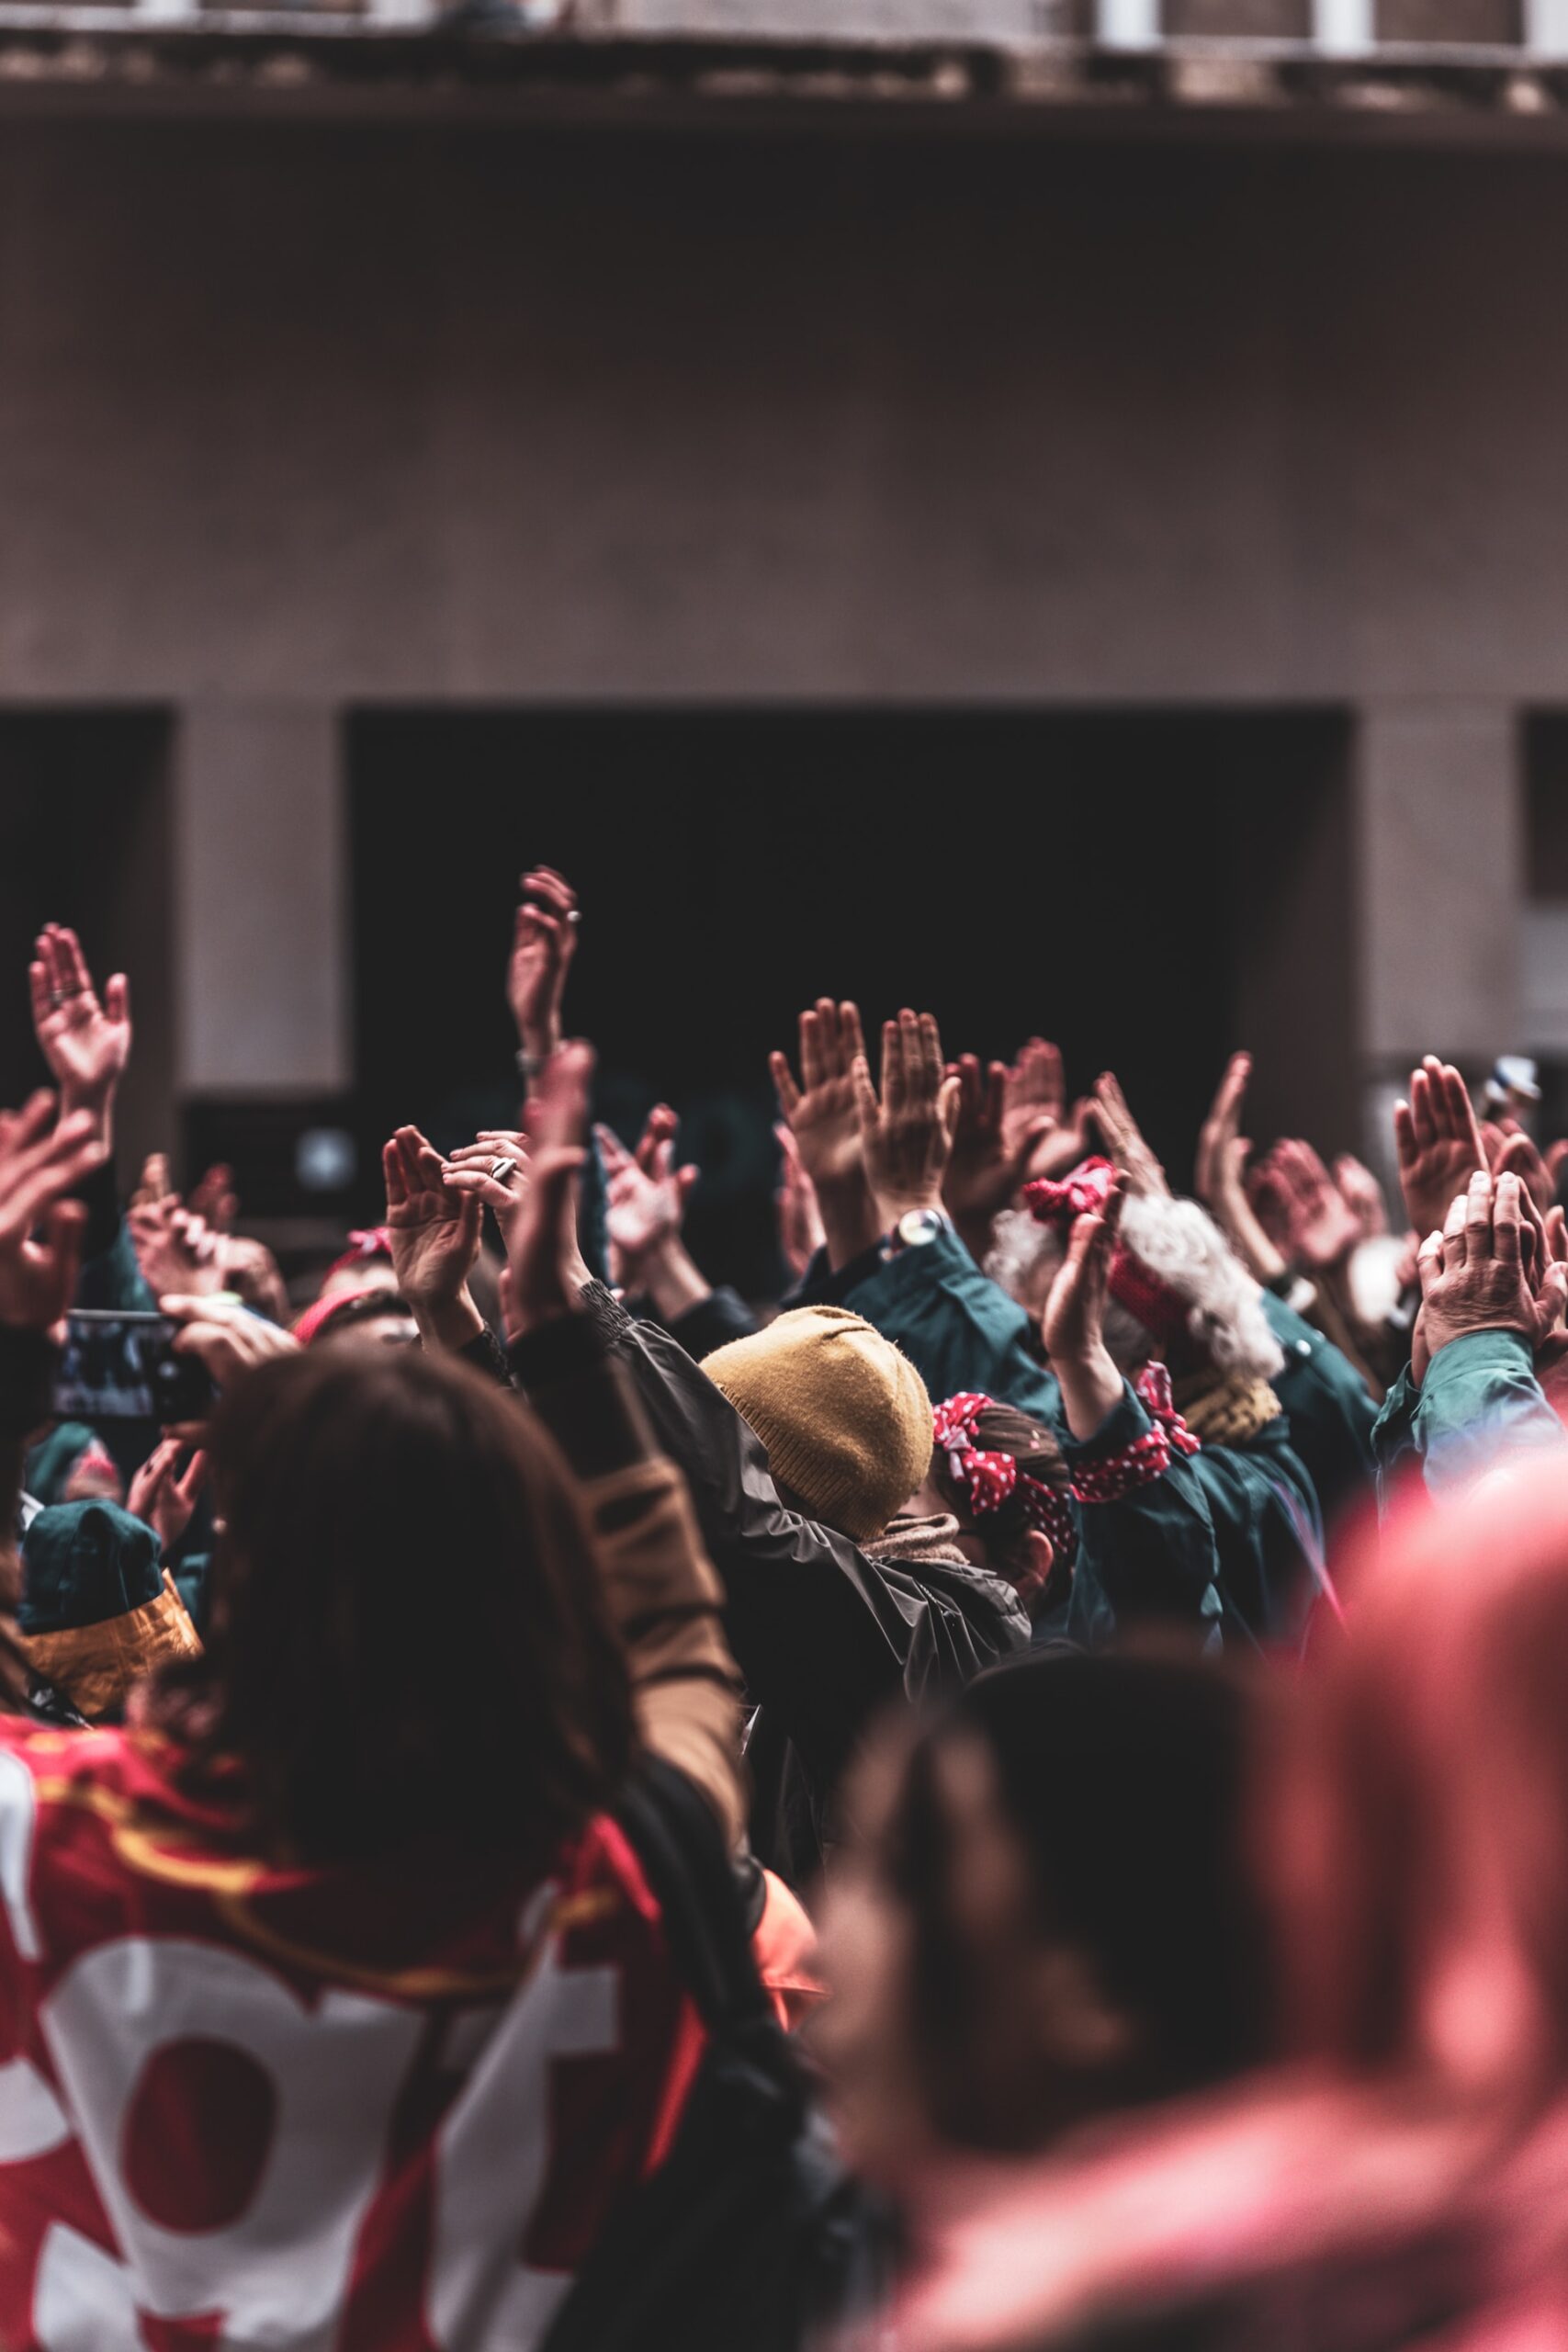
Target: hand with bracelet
[{"x": 905, "y": 1135}]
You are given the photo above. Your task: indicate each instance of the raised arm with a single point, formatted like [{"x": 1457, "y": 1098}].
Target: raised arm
[{"x": 663, "y": 1595}]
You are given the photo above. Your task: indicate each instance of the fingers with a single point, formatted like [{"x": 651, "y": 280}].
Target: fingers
[
  {"x": 994, "y": 1103},
  {"x": 38, "y": 990},
  {"x": 785, "y": 1086},
  {"x": 392, "y": 1171},
  {"x": 1455, "y": 1238},
  {"x": 76, "y": 978},
  {"x": 1507, "y": 1220},
  {"x": 1458, "y": 1109},
  {"x": 1551, "y": 1299},
  {"x": 1233, "y": 1092},
  {"x": 850, "y": 1041},
  {"x": 478, "y": 1184},
  {"x": 611, "y": 1150},
  {"x": 195, "y": 1477},
  {"x": 783, "y": 1136},
  {"x": 116, "y": 997},
  {"x": 1422, "y": 1119},
  {"x": 551, "y": 890},
  {"x": 1556, "y": 1234},
  {"x": 866, "y": 1107},
  {"x": 1404, "y": 1135},
  {"x": 813, "y": 1064},
  {"x": 910, "y": 1055},
  {"x": 931, "y": 1061},
  {"x": 1430, "y": 1261},
  {"x": 949, "y": 1100},
  {"x": 892, "y": 1070}
]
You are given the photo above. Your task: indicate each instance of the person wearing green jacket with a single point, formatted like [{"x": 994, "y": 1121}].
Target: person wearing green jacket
[{"x": 1470, "y": 1399}]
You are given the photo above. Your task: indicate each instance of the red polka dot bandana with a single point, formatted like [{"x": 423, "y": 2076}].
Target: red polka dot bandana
[{"x": 989, "y": 1479}]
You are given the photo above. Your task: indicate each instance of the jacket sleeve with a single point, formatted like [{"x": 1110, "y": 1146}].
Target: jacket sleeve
[
  {"x": 1269, "y": 1535},
  {"x": 958, "y": 1328},
  {"x": 712, "y": 1322},
  {"x": 1150, "y": 1555},
  {"x": 1330, "y": 1413},
  {"x": 821, "y": 1636},
  {"x": 664, "y": 1596},
  {"x": 1479, "y": 1403}
]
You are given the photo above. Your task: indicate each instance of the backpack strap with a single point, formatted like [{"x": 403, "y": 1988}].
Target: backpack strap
[{"x": 678, "y": 1843}]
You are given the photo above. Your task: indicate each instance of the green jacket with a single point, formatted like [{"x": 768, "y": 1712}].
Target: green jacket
[
  {"x": 1330, "y": 1413},
  {"x": 1153, "y": 1554},
  {"x": 1479, "y": 1402}
]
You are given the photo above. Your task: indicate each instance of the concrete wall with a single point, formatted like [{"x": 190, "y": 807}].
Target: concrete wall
[{"x": 298, "y": 416}]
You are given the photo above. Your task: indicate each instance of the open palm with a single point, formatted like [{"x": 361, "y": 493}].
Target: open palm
[{"x": 435, "y": 1230}]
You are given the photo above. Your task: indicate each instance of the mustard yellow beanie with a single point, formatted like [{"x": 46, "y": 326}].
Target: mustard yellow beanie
[{"x": 845, "y": 1418}]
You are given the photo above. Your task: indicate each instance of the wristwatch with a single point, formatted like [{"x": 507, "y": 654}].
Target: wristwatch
[{"x": 913, "y": 1230}]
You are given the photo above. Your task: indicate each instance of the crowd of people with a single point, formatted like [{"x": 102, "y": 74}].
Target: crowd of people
[{"x": 1013, "y": 1797}]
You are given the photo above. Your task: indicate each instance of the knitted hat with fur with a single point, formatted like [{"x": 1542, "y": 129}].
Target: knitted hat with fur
[{"x": 845, "y": 1418}]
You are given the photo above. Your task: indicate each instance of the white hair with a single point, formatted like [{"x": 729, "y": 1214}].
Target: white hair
[{"x": 1181, "y": 1243}]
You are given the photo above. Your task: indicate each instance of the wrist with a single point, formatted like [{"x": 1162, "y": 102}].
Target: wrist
[
  {"x": 97, "y": 1101},
  {"x": 537, "y": 1041},
  {"x": 891, "y": 1206},
  {"x": 1091, "y": 1388},
  {"x": 448, "y": 1323},
  {"x": 671, "y": 1279},
  {"x": 849, "y": 1219}
]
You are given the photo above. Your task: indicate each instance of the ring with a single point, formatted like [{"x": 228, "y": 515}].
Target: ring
[
  {"x": 501, "y": 1170},
  {"x": 574, "y": 916}
]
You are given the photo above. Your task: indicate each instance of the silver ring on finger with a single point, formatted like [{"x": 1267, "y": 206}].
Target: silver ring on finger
[{"x": 503, "y": 1170}]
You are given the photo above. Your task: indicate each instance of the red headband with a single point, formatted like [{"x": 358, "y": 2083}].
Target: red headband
[
  {"x": 1163, "y": 1312},
  {"x": 990, "y": 1479}
]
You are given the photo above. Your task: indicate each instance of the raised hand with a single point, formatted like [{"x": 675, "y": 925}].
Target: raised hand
[
  {"x": 1319, "y": 1226},
  {"x": 85, "y": 1044},
  {"x": 435, "y": 1228},
  {"x": 820, "y": 1111},
  {"x": 494, "y": 1170},
  {"x": 1363, "y": 1195},
  {"x": 801, "y": 1231},
  {"x": 1035, "y": 1096},
  {"x": 213, "y": 1196},
  {"x": 1220, "y": 1174},
  {"x": 645, "y": 1197},
  {"x": 907, "y": 1136},
  {"x": 991, "y": 1151},
  {"x": 174, "y": 1249},
  {"x": 1072, "y": 1327},
  {"x": 40, "y": 1228},
  {"x": 1437, "y": 1141},
  {"x": 162, "y": 1499},
  {"x": 1518, "y": 1156},
  {"x": 544, "y": 941},
  {"x": 546, "y": 1269},
  {"x": 1473, "y": 1275},
  {"x": 225, "y": 1336},
  {"x": 1123, "y": 1138},
  {"x": 821, "y": 1114}
]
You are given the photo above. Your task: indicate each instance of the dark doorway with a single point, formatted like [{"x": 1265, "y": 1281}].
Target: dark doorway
[
  {"x": 85, "y": 841},
  {"x": 1128, "y": 884}
]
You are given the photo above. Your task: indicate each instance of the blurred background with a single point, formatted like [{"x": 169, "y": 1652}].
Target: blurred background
[{"x": 1056, "y": 510}]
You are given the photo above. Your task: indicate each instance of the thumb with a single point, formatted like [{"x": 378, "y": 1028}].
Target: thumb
[
  {"x": 1429, "y": 1262},
  {"x": 686, "y": 1177},
  {"x": 949, "y": 1101},
  {"x": 1551, "y": 1299}
]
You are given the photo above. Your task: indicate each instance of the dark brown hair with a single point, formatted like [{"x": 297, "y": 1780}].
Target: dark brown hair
[
  {"x": 1003, "y": 1428},
  {"x": 408, "y": 1638}
]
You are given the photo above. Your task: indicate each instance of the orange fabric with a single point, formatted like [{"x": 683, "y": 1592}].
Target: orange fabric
[{"x": 785, "y": 1947}]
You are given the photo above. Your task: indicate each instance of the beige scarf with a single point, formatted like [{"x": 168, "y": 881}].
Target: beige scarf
[{"x": 1224, "y": 1408}]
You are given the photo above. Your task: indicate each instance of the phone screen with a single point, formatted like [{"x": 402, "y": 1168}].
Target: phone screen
[{"x": 121, "y": 1366}]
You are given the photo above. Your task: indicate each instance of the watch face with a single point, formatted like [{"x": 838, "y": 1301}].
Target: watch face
[{"x": 916, "y": 1225}]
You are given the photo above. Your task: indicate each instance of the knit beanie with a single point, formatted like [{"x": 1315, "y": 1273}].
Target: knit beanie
[{"x": 844, "y": 1416}]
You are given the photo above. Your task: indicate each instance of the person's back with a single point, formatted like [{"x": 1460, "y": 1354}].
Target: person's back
[
  {"x": 368, "y": 2097},
  {"x": 334, "y": 2006}
]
